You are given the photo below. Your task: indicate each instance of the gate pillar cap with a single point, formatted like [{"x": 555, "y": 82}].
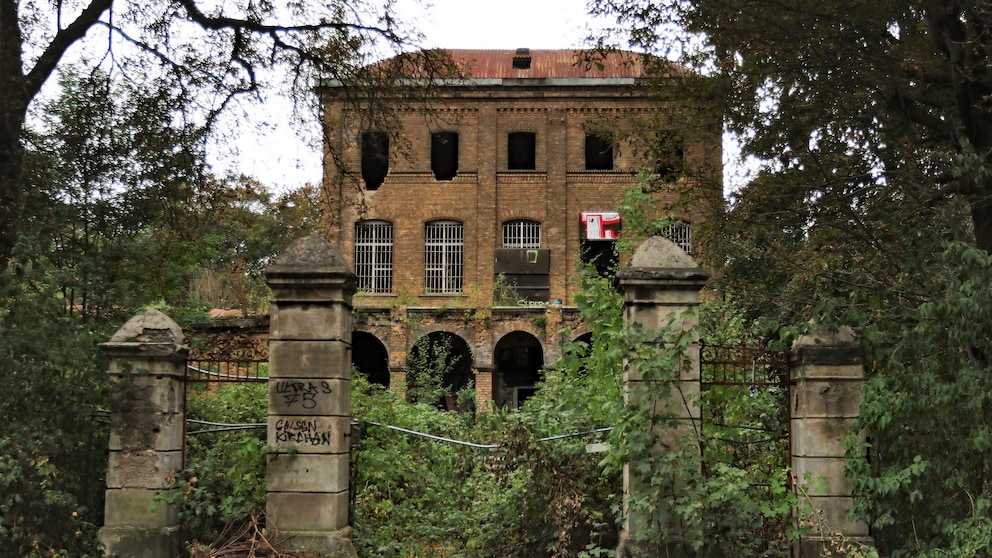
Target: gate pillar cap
[
  {"x": 822, "y": 335},
  {"x": 149, "y": 335},
  {"x": 658, "y": 258},
  {"x": 308, "y": 255},
  {"x": 150, "y": 326}
]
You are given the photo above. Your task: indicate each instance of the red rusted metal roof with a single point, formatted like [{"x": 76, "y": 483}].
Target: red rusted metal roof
[{"x": 481, "y": 64}]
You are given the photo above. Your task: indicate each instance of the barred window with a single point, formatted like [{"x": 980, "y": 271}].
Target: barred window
[
  {"x": 680, "y": 233},
  {"x": 443, "y": 247},
  {"x": 522, "y": 234},
  {"x": 374, "y": 256}
]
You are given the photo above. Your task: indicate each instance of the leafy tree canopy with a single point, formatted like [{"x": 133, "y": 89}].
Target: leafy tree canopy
[
  {"x": 209, "y": 54},
  {"x": 873, "y": 207},
  {"x": 871, "y": 120}
]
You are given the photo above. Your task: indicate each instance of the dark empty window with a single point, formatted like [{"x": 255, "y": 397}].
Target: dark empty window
[
  {"x": 601, "y": 255},
  {"x": 375, "y": 159},
  {"x": 669, "y": 154},
  {"x": 521, "y": 59},
  {"x": 521, "y": 150},
  {"x": 599, "y": 151},
  {"x": 444, "y": 155}
]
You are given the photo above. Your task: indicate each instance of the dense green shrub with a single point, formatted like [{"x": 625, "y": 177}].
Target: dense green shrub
[{"x": 53, "y": 445}]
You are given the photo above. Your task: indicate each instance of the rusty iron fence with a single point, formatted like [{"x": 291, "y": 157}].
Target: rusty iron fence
[
  {"x": 229, "y": 357},
  {"x": 746, "y": 419}
]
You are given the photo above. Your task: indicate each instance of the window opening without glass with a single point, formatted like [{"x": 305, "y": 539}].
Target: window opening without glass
[
  {"x": 521, "y": 151},
  {"x": 375, "y": 159},
  {"x": 599, "y": 152},
  {"x": 444, "y": 155}
]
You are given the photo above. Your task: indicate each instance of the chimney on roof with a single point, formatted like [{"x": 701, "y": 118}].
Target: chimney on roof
[{"x": 521, "y": 59}]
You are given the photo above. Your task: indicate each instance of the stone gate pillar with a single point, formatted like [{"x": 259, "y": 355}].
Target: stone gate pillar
[
  {"x": 310, "y": 398},
  {"x": 660, "y": 289},
  {"x": 147, "y": 366},
  {"x": 828, "y": 375}
]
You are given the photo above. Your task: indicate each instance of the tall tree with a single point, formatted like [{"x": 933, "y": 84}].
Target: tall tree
[
  {"x": 874, "y": 207},
  {"x": 211, "y": 52},
  {"x": 872, "y": 122}
]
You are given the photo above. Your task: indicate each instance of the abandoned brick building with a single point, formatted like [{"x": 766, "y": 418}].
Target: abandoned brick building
[{"x": 465, "y": 223}]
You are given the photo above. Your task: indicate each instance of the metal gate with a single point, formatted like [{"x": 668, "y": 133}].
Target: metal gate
[
  {"x": 746, "y": 418},
  {"x": 225, "y": 358}
]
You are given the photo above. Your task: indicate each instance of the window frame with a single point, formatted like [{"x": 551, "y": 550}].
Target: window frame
[
  {"x": 524, "y": 234},
  {"x": 374, "y": 247},
  {"x": 444, "y": 253},
  {"x": 680, "y": 233}
]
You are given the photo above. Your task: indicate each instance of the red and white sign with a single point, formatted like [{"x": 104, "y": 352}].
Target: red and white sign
[{"x": 601, "y": 225}]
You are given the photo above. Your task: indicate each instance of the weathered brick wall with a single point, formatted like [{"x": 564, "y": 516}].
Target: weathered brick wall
[{"x": 484, "y": 195}]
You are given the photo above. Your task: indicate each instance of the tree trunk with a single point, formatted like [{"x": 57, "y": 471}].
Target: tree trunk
[
  {"x": 13, "y": 108},
  {"x": 11, "y": 181}
]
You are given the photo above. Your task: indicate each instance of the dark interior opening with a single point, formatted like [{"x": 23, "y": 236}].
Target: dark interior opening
[
  {"x": 669, "y": 155},
  {"x": 599, "y": 152},
  {"x": 444, "y": 155},
  {"x": 375, "y": 159},
  {"x": 521, "y": 151},
  {"x": 521, "y": 59},
  {"x": 369, "y": 357},
  {"x": 601, "y": 255}
]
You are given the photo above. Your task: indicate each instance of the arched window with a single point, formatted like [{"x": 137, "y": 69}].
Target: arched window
[
  {"x": 443, "y": 247},
  {"x": 680, "y": 233},
  {"x": 522, "y": 233},
  {"x": 374, "y": 256}
]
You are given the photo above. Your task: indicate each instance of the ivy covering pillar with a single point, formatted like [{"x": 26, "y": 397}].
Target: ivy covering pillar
[{"x": 660, "y": 289}]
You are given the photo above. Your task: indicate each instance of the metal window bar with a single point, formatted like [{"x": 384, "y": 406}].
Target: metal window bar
[
  {"x": 443, "y": 257},
  {"x": 680, "y": 233},
  {"x": 374, "y": 257},
  {"x": 522, "y": 234}
]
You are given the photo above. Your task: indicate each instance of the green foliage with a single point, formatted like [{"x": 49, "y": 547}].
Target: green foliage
[
  {"x": 430, "y": 366},
  {"x": 504, "y": 293},
  {"x": 222, "y": 488},
  {"x": 926, "y": 410},
  {"x": 423, "y": 497},
  {"x": 54, "y": 441},
  {"x": 125, "y": 214}
]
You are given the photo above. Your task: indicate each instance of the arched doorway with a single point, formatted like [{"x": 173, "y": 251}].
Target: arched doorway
[
  {"x": 439, "y": 365},
  {"x": 519, "y": 361},
  {"x": 370, "y": 357}
]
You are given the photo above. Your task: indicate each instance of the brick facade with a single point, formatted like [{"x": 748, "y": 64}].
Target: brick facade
[{"x": 560, "y": 103}]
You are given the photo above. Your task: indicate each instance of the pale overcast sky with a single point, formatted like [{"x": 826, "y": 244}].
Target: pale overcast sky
[
  {"x": 280, "y": 159},
  {"x": 498, "y": 24}
]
